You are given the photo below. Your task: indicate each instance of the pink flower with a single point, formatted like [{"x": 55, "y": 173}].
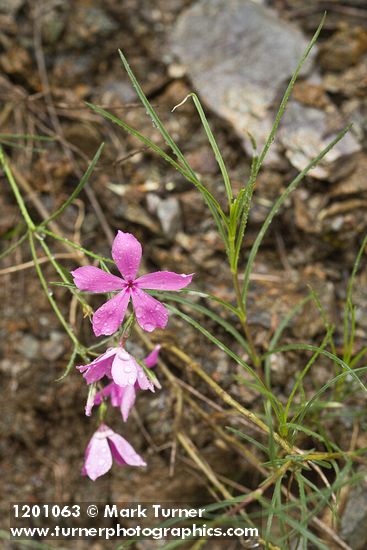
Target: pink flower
[
  {"x": 150, "y": 314},
  {"x": 105, "y": 446},
  {"x": 118, "y": 364},
  {"x": 123, "y": 397}
]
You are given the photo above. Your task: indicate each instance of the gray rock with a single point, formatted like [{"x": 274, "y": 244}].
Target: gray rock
[
  {"x": 239, "y": 56},
  {"x": 168, "y": 212},
  {"x": 53, "y": 348},
  {"x": 13, "y": 368},
  {"x": 305, "y": 131},
  {"x": 29, "y": 346},
  {"x": 120, "y": 90}
]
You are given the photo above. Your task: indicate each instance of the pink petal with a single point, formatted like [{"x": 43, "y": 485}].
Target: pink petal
[
  {"x": 108, "y": 318},
  {"x": 123, "y": 452},
  {"x": 127, "y": 401},
  {"x": 98, "y": 457},
  {"x": 116, "y": 394},
  {"x": 100, "y": 367},
  {"x": 143, "y": 381},
  {"x": 164, "y": 280},
  {"x": 91, "y": 400},
  {"x": 150, "y": 313},
  {"x": 93, "y": 279},
  {"x": 126, "y": 252},
  {"x": 124, "y": 369},
  {"x": 104, "y": 392},
  {"x": 99, "y": 397},
  {"x": 152, "y": 359}
]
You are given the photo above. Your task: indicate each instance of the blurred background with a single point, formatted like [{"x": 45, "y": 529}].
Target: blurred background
[{"x": 238, "y": 56}]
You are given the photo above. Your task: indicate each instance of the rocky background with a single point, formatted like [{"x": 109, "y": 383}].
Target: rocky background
[{"x": 237, "y": 55}]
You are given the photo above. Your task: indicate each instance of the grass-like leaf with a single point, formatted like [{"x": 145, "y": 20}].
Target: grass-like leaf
[
  {"x": 349, "y": 318},
  {"x": 334, "y": 358},
  {"x": 288, "y": 92},
  {"x": 278, "y": 203},
  {"x": 213, "y": 143},
  {"x": 213, "y": 205},
  {"x": 205, "y": 311},
  {"x": 84, "y": 180}
]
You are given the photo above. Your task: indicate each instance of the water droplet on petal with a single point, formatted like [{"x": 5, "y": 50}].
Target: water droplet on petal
[{"x": 123, "y": 355}]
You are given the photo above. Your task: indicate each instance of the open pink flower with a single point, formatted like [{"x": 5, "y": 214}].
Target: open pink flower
[
  {"x": 118, "y": 364},
  {"x": 124, "y": 397},
  {"x": 150, "y": 314},
  {"x": 105, "y": 446}
]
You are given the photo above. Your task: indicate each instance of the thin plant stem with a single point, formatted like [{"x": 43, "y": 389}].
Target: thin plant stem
[
  {"x": 242, "y": 317},
  {"x": 15, "y": 189},
  {"x": 15, "y": 245},
  {"x": 230, "y": 400},
  {"x": 53, "y": 304}
]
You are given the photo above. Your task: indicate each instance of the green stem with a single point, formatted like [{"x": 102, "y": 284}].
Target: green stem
[
  {"x": 230, "y": 400},
  {"x": 246, "y": 329},
  {"x": 278, "y": 203},
  {"x": 15, "y": 189},
  {"x": 14, "y": 246},
  {"x": 75, "y": 246},
  {"x": 53, "y": 304}
]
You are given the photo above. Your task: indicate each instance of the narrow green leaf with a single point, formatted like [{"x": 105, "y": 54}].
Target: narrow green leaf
[
  {"x": 243, "y": 205},
  {"x": 278, "y": 203},
  {"x": 213, "y": 205},
  {"x": 300, "y": 415},
  {"x": 302, "y": 375},
  {"x": 288, "y": 92},
  {"x": 84, "y": 180},
  {"x": 155, "y": 119},
  {"x": 213, "y": 143},
  {"x": 205, "y": 311},
  {"x": 69, "y": 366},
  {"x": 278, "y": 333},
  {"x": 349, "y": 324},
  {"x": 334, "y": 358},
  {"x": 75, "y": 246},
  {"x": 219, "y": 344},
  {"x": 10, "y": 249},
  {"x": 247, "y": 437}
]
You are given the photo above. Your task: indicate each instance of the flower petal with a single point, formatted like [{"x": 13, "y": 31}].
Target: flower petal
[
  {"x": 126, "y": 252},
  {"x": 108, "y": 318},
  {"x": 100, "y": 367},
  {"x": 93, "y": 279},
  {"x": 127, "y": 401},
  {"x": 115, "y": 394},
  {"x": 164, "y": 280},
  {"x": 104, "y": 392},
  {"x": 150, "y": 313},
  {"x": 91, "y": 400},
  {"x": 123, "y": 452},
  {"x": 124, "y": 369},
  {"x": 152, "y": 359},
  {"x": 98, "y": 457},
  {"x": 143, "y": 381}
]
